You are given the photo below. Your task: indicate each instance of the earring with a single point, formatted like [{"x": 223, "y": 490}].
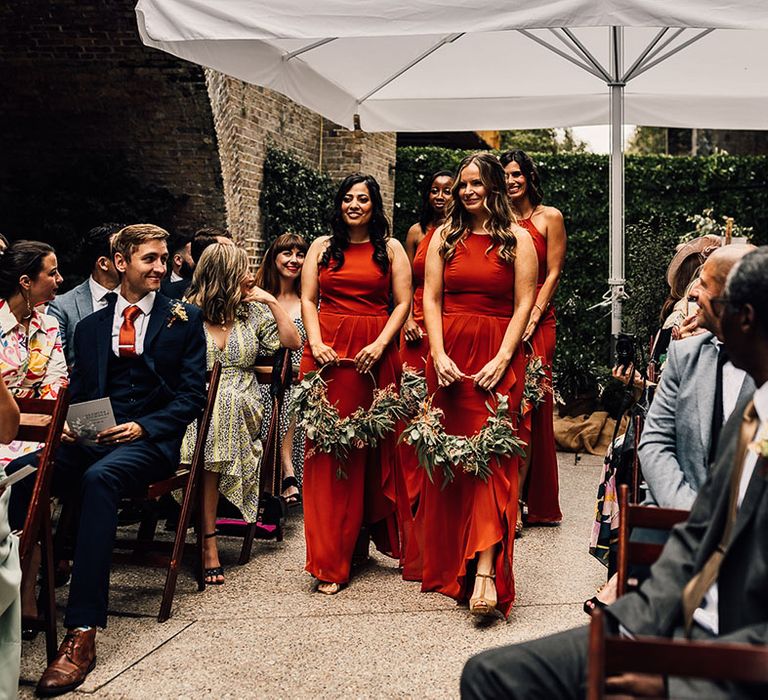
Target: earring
[{"x": 29, "y": 308}]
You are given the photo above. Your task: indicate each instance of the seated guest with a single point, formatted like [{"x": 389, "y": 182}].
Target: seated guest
[
  {"x": 200, "y": 241},
  {"x": 69, "y": 308},
  {"x": 10, "y": 573},
  {"x": 699, "y": 389},
  {"x": 711, "y": 578},
  {"x": 145, "y": 353},
  {"x": 241, "y": 323},
  {"x": 32, "y": 363},
  {"x": 180, "y": 248}
]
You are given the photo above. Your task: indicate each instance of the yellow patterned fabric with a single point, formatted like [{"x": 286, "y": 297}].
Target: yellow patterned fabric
[
  {"x": 32, "y": 364},
  {"x": 233, "y": 448}
]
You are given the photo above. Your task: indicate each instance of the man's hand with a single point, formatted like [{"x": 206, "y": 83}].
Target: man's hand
[
  {"x": 67, "y": 436},
  {"x": 637, "y": 685},
  {"x": 120, "y": 434}
]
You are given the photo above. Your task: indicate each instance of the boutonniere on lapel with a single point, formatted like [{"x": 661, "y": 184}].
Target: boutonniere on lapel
[
  {"x": 760, "y": 446},
  {"x": 177, "y": 312}
]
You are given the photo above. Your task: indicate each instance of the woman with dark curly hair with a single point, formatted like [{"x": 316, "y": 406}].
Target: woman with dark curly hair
[
  {"x": 545, "y": 224},
  {"x": 478, "y": 294},
  {"x": 351, "y": 275}
]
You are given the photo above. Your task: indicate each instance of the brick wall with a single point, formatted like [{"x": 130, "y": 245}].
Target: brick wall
[
  {"x": 249, "y": 118},
  {"x": 79, "y": 87}
]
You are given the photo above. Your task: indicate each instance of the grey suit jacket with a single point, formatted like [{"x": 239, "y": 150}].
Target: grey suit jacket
[
  {"x": 69, "y": 309},
  {"x": 656, "y": 609},
  {"x": 674, "y": 448}
]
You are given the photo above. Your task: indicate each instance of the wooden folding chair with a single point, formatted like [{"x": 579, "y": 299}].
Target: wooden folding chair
[
  {"x": 42, "y": 420},
  {"x": 271, "y": 469},
  {"x": 640, "y": 553},
  {"x": 610, "y": 655},
  {"x": 187, "y": 479}
]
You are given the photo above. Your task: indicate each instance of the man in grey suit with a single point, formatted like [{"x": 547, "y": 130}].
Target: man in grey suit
[
  {"x": 699, "y": 389},
  {"x": 70, "y": 308},
  {"x": 732, "y": 605}
]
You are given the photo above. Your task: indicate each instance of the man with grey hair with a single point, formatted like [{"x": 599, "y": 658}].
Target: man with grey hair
[{"x": 710, "y": 581}]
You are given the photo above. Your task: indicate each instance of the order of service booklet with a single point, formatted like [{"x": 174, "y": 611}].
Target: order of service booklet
[{"x": 88, "y": 418}]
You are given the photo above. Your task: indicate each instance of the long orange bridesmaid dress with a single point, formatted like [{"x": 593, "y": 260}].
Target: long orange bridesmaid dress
[
  {"x": 469, "y": 515},
  {"x": 536, "y": 426},
  {"x": 353, "y": 311},
  {"x": 415, "y": 354}
]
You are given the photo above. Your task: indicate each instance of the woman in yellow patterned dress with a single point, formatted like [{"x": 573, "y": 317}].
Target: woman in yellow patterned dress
[{"x": 242, "y": 322}]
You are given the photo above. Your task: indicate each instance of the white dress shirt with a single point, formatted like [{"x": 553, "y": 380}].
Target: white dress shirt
[
  {"x": 140, "y": 324},
  {"x": 175, "y": 277},
  {"x": 733, "y": 379},
  {"x": 706, "y": 615},
  {"x": 98, "y": 294}
]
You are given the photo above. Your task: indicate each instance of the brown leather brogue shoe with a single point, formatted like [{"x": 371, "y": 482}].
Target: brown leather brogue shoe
[{"x": 75, "y": 660}]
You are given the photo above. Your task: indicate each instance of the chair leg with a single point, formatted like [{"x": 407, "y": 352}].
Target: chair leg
[
  {"x": 245, "y": 551},
  {"x": 147, "y": 530},
  {"x": 47, "y": 592}
]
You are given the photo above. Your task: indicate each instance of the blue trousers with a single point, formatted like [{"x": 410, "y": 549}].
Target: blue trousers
[{"x": 103, "y": 475}]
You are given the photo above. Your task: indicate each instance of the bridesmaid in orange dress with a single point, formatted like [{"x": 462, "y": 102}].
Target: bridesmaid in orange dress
[
  {"x": 414, "y": 344},
  {"x": 545, "y": 224},
  {"x": 351, "y": 274},
  {"x": 478, "y": 294}
]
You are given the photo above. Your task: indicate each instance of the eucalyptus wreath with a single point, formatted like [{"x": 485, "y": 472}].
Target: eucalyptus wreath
[
  {"x": 474, "y": 454},
  {"x": 332, "y": 434}
]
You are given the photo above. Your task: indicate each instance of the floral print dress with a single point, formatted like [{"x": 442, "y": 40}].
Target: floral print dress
[
  {"x": 32, "y": 364},
  {"x": 234, "y": 447}
]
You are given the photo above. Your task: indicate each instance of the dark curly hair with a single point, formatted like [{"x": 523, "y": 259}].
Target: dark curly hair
[
  {"x": 378, "y": 227},
  {"x": 528, "y": 167},
  {"x": 427, "y": 214}
]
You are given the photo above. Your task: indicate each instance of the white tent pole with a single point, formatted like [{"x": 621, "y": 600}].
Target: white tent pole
[{"x": 616, "y": 179}]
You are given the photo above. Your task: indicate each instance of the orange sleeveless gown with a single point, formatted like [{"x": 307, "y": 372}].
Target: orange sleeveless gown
[
  {"x": 536, "y": 426},
  {"x": 415, "y": 354},
  {"x": 353, "y": 311},
  {"x": 471, "y": 515}
]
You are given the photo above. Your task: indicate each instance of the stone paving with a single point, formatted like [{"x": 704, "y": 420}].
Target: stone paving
[{"x": 265, "y": 634}]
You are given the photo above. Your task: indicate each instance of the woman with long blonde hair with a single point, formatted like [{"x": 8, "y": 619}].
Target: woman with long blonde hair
[
  {"x": 241, "y": 322},
  {"x": 478, "y": 293}
]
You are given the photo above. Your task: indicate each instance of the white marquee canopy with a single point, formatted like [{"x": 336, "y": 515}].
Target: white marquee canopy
[{"x": 450, "y": 65}]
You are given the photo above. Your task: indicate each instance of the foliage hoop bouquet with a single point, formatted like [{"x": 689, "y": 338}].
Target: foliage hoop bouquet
[
  {"x": 332, "y": 434},
  {"x": 435, "y": 448}
]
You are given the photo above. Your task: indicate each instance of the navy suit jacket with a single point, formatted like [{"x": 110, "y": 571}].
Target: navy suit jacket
[{"x": 174, "y": 352}]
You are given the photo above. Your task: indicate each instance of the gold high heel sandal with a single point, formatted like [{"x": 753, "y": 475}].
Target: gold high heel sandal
[{"x": 481, "y": 605}]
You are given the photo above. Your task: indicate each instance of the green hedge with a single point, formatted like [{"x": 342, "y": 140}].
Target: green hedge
[{"x": 661, "y": 192}]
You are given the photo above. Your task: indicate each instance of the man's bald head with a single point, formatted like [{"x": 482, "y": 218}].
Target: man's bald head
[{"x": 712, "y": 282}]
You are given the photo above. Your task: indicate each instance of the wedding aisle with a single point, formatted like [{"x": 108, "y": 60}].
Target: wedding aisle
[{"x": 266, "y": 634}]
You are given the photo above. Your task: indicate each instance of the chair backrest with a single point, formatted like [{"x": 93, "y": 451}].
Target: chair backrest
[
  {"x": 640, "y": 553},
  {"x": 271, "y": 474},
  {"x": 204, "y": 423},
  {"x": 42, "y": 420},
  {"x": 610, "y": 655}
]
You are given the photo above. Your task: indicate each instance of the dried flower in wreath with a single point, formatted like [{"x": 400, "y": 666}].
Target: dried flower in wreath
[
  {"x": 332, "y": 434},
  {"x": 413, "y": 390},
  {"x": 474, "y": 454},
  {"x": 537, "y": 384}
]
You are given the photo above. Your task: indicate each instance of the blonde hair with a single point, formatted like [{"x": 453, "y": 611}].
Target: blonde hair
[
  {"x": 501, "y": 216},
  {"x": 127, "y": 240},
  {"x": 216, "y": 282}
]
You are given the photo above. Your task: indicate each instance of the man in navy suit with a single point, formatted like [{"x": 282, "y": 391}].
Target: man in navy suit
[
  {"x": 70, "y": 308},
  {"x": 146, "y": 353}
]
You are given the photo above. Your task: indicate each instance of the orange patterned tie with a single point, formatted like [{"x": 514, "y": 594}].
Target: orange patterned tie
[{"x": 127, "y": 339}]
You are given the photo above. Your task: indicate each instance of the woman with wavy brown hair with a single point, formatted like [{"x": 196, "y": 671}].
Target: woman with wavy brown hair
[
  {"x": 478, "y": 294},
  {"x": 241, "y": 323}
]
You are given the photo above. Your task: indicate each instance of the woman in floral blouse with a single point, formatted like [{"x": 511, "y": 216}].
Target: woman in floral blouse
[{"x": 31, "y": 360}]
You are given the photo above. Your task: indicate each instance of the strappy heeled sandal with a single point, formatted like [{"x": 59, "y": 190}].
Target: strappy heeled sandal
[
  {"x": 481, "y": 605},
  {"x": 295, "y": 498},
  {"x": 215, "y": 571},
  {"x": 330, "y": 587}
]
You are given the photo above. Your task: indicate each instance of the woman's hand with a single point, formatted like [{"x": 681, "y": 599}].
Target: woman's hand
[
  {"x": 368, "y": 357},
  {"x": 533, "y": 321},
  {"x": 446, "y": 370},
  {"x": 627, "y": 375},
  {"x": 257, "y": 294},
  {"x": 412, "y": 331},
  {"x": 324, "y": 354},
  {"x": 490, "y": 375},
  {"x": 689, "y": 327}
]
